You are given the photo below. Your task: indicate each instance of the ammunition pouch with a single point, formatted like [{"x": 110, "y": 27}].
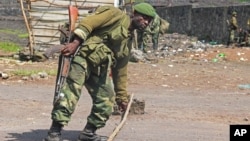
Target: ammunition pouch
[
  {"x": 118, "y": 40},
  {"x": 99, "y": 55},
  {"x": 95, "y": 51}
]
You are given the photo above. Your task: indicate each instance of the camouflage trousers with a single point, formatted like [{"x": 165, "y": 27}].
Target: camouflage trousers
[
  {"x": 155, "y": 37},
  {"x": 97, "y": 81},
  {"x": 143, "y": 39},
  {"x": 232, "y": 36}
]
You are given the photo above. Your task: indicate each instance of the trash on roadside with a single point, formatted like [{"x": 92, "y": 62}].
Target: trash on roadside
[
  {"x": 215, "y": 60},
  {"x": 219, "y": 57},
  {"x": 244, "y": 86},
  {"x": 222, "y": 55},
  {"x": 213, "y": 43}
]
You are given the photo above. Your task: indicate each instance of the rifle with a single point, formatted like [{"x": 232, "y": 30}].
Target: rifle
[{"x": 65, "y": 61}]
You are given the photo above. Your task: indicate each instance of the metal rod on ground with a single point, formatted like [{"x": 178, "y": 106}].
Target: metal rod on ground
[{"x": 124, "y": 117}]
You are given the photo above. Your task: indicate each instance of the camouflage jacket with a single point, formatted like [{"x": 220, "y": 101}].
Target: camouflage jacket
[{"x": 154, "y": 26}]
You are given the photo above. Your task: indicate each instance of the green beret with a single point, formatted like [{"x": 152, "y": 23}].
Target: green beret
[{"x": 145, "y": 9}]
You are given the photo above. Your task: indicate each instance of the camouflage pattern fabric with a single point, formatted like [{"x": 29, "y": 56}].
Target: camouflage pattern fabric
[
  {"x": 98, "y": 83},
  {"x": 152, "y": 30},
  {"x": 105, "y": 35},
  {"x": 142, "y": 39}
]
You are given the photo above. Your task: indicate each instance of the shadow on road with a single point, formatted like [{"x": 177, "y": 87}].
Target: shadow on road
[{"x": 38, "y": 135}]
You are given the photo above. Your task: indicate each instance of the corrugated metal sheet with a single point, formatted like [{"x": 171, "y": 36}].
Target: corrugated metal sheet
[{"x": 44, "y": 17}]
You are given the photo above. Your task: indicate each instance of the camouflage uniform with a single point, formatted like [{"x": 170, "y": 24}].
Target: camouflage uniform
[
  {"x": 91, "y": 66},
  {"x": 154, "y": 30},
  {"x": 142, "y": 39},
  {"x": 233, "y": 26},
  {"x": 104, "y": 50}
]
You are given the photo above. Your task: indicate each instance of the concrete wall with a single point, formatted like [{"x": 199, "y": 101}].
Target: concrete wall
[
  {"x": 10, "y": 8},
  {"x": 207, "y": 23},
  {"x": 179, "y": 18}
]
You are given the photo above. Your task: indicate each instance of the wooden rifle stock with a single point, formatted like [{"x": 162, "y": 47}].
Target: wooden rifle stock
[
  {"x": 73, "y": 16},
  {"x": 66, "y": 65}
]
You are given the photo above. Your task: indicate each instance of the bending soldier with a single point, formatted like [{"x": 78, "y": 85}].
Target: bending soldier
[
  {"x": 103, "y": 37},
  {"x": 152, "y": 30}
]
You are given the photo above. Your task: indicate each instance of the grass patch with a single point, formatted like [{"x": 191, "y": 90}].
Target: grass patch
[
  {"x": 9, "y": 47},
  {"x": 23, "y": 72},
  {"x": 52, "y": 72},
  {"x": 23, "y": 35},
  {"x": 20, "y": 34}
]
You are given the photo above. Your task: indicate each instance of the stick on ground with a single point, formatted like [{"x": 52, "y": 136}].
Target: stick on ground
[{"x": 124, "y": 117}]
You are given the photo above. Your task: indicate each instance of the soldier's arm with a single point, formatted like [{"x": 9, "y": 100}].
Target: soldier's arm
[
  {"x": 155, "y": 25},
  {"x": 119, "y": 74},
  {"x": 103, "y": 16},
  {"x": 120, "y": 77}
]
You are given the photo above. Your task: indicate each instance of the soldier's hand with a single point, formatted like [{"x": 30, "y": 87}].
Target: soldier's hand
[
  {"x": 71, "y": 48},
  {"x": 122, "y": 106}
]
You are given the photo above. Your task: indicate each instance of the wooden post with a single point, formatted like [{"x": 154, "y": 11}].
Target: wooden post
[{"x": 28, "y": 28}]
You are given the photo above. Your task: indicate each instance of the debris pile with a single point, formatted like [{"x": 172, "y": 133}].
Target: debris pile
[{"x": 172, "y": 45}]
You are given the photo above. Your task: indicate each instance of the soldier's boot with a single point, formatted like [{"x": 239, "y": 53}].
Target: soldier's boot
[
  {"x": 54, "y": 133},
  {"x": 155, "y": 47},
  {"x": 88, "y": 134}
]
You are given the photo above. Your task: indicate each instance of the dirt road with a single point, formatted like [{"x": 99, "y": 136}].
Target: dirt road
[
  {"x": 188, "y": 97},
  {"x": 185, "y": 100}
]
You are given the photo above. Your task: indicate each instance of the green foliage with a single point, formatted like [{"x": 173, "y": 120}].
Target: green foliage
[{"x": 9, "y": 47}]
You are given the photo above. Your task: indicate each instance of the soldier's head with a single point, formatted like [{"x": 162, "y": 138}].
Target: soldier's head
[
  {"x": 143, "y": 14},
  {"x": 234, "y": 13}
]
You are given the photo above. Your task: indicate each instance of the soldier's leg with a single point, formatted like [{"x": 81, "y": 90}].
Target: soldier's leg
[
  {"x": 232, "y": 36},
  {"x": 140, "y": 40},
  {"x": 100, "y": 88},
  {"x": 145, "y": 39},
  {"x": 135, "y": 40},
  {"x": 71, "y": 92},
  {"x": 155, "y": 41}
]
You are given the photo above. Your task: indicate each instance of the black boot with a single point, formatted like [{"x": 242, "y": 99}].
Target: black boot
[
  {"x": 88, "y": 134},
  {"x": 54, "y": 133}
]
